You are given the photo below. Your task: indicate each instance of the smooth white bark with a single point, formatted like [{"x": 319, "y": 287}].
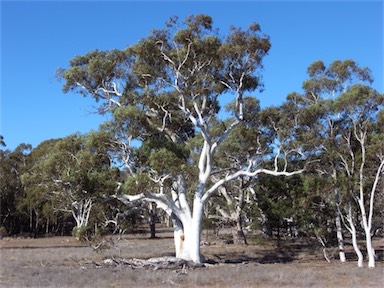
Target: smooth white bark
[
  {"x": 81, "y": 210},
  {"x": 179, "y": 237},
  {"x": 367, "y": 221},
  {"x": 361, "y": 136},
  {"x": 339, "y": 232},
  {"x": 340, "y": 239},
  {"x": 352, "y": 230},
  {"x": 195, "y": 253},
  {"x": 187, "y": 234}
]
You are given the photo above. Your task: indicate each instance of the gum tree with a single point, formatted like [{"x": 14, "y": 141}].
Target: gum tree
[
  {"x": 66, "y": 175},
  {"x": 170, "y": 85},
  {"x": 344, "y": 109},
  {"x": 12, "y": 165},
  {"x": 363, "y": 156}
]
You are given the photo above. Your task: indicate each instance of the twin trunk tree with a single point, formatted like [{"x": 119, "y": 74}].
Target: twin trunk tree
[{"x": 169, "y": 86}]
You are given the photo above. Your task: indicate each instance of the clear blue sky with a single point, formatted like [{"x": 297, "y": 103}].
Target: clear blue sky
[{"x": 39, "y": 37}]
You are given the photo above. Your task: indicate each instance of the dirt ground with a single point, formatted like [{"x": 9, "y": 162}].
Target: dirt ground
[{"x": 64, "y": 262}]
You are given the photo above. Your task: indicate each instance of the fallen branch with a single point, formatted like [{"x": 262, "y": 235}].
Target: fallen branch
[{"x": 152, "y": 263}]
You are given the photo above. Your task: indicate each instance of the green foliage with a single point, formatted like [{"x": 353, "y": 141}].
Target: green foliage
[
  {"x": 12, "y": 165},
  {"x": 282, "y": 198},
  {"x": 138, "y": 183},
  {"x": 81, "y": 233},
  {"x": 359, "y": 101},
  {"x": 165, "y": 161},
  {"x": 65, "y": 171}
]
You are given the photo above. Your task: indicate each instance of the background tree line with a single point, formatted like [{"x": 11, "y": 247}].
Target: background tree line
[{"x": 168, "y": 145}]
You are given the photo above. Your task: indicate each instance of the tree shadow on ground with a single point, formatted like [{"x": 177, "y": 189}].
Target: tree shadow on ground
[
  {"x": 262, "y": 257},
  {"x": 278, "y": 253},
  {"x": 276, "y": 257},
  {"x": 302, "y": 250}
]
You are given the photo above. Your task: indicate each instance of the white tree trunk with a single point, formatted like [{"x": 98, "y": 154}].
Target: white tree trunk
[
  {"x": 367, "y": 222},
  {"x": 361, "y": 136},
  {"x": 81, "y": 210},
  {"x": 187, "y": 234},
  {"x": 370, "y": 249},
  {"x": 339, "y": 232},
  {"x": 198, "y": 209},
  {"x": 356, "y": 248},
  {"x": 340, "y": 239},
  {"x": 179, "y": 237},
  {"x": 368, "y": 237},
  {"x": 352, "y": 230}
]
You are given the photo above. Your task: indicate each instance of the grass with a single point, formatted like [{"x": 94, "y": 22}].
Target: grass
[{"x": 49, "y": 263}]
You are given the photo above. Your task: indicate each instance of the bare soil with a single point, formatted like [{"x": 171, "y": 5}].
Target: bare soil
[{"x": 65, "y": 262}]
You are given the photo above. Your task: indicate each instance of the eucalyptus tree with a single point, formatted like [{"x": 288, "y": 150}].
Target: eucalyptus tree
[
  {"x": 363, "y": 159},
  {"x": 170, "y": 85},
  {"x": 345, "y": 106},
  {"x": 68, "y": 174},
  {"x": 12, "y": 165},
  {"x": 35, "y": 202}
]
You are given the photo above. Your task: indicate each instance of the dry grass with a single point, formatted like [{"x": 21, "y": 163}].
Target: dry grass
[{"x": 61, "y": 262}]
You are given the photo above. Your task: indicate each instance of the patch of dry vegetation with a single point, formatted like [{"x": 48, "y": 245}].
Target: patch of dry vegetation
[{"x": 269, "y": 265}]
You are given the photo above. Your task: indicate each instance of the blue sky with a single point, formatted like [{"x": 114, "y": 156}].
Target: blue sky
[{"x": 39, "y": 37}]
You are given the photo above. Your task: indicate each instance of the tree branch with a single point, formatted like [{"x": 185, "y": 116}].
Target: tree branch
[{"x": 248, "y": 173}]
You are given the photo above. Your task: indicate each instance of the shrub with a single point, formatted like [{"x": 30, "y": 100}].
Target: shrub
[{"x": 81, "y": 233}]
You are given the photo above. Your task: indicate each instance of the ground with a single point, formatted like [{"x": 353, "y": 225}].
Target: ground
[{"x": 64, "y": 262}]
